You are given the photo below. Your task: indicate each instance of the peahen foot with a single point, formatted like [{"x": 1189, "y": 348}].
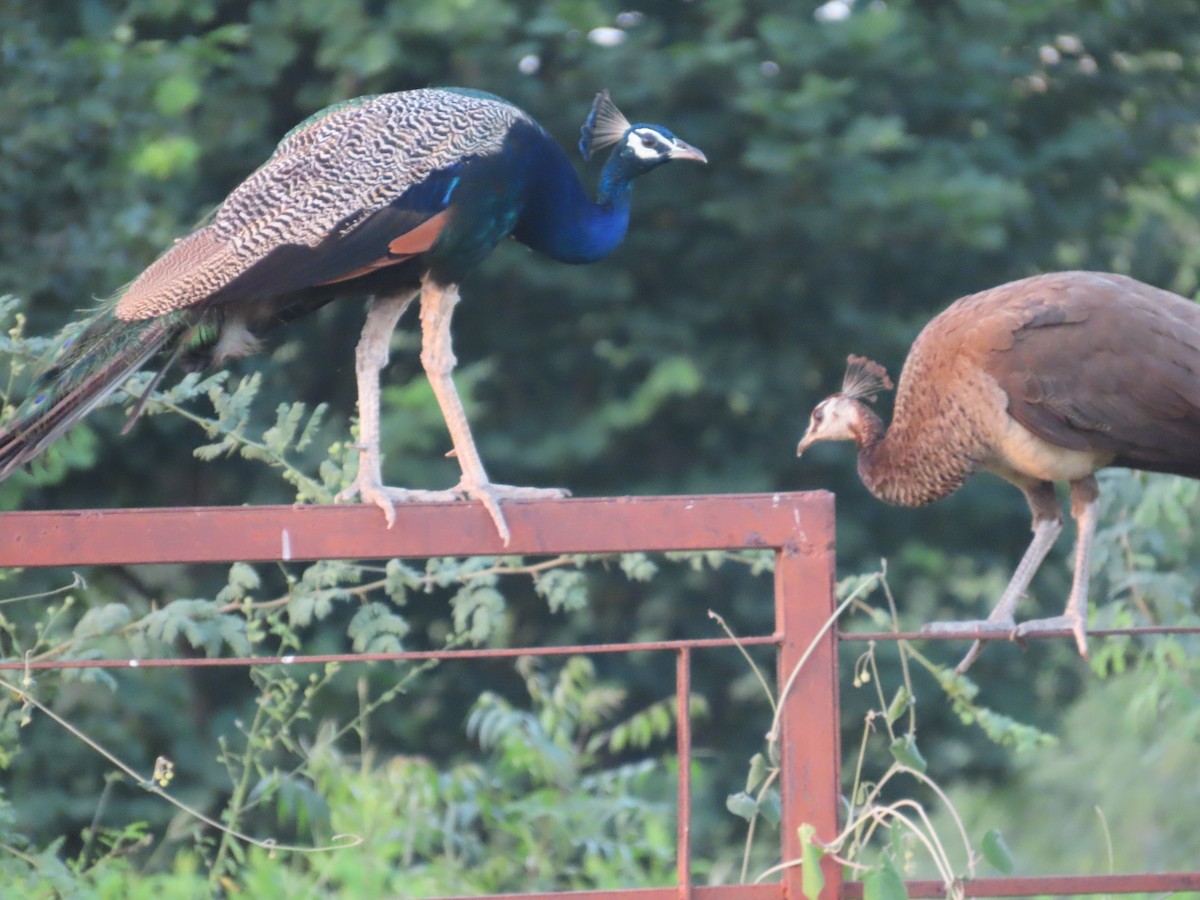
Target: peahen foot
[
  {"x": 1066, "y": 622},
  {"x": 1001, "y": 627}
]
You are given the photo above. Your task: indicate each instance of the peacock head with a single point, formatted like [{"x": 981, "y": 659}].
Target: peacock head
[
  {"x": 636, "y": 148},
  {"x": 844, "y": 416}
]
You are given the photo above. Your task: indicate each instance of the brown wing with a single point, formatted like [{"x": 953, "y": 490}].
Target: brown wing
[{"x": 1103, "y": 362}]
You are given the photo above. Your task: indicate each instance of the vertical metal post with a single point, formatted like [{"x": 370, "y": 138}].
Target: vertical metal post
[
  {"x": 810, "y": 751},
  {"x": 683, "y": 731}
]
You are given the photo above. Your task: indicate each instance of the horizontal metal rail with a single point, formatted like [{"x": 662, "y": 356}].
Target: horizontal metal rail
[
  {"x": 1130, "y": 630},
  {"x": 184, "y": 662},
  {"x": 796, "y": 527},
  {"x": 283, "y": 533}
]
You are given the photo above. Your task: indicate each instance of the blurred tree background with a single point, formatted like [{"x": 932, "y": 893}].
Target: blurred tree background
[{"x": 869, "y": 161}]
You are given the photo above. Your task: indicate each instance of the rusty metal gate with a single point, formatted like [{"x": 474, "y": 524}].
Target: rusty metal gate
[{"x": 797, "y": 527}]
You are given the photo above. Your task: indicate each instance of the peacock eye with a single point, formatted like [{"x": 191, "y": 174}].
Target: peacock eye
[
  {"x": 817, "y": 416},
  {"x": 648, "y": 141}
]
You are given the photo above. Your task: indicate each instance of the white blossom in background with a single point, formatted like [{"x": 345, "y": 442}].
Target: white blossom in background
[
  {"x": 529, "y": 64},
  {"x": 769, "y": 68},
  {"x": 1069, "y": 43},
  {"x": 833, "y": 11},
  {"x": 1049, "y": 55},
  {"x": 630, "y": 19},
  {"x": 606, "y": 36}
]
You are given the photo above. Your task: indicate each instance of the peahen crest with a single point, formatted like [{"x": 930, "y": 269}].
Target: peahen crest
[
  {"x": 864, "y": 378},
  {"x": 605, "y": 125}
]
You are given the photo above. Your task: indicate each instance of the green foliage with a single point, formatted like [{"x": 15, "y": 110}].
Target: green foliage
[
  {"x": 863, "y": 173},
  {"x": 883, "y": 823}
]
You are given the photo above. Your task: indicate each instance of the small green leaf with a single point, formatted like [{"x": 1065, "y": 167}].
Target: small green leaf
[
  {"x": 996, "y": 852},
  {"x": 176, "y": 94},
  {"x": 638, "y": 567},
  {"x": 163, "y": 157},
  {"x": 770, "y": 807},
  {"x": 899, "y": 705},
  {"x": 742, "y": 805},
  {"x": 812, "y": 880},
  {"x": 103, "y": 620},
  {"x": 758, "y": 770},
  {"x": 883, "y": 882},
  {"x": 904, "y": 749}
]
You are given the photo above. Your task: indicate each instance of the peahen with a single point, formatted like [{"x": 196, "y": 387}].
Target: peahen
[
  {"x": 387, "y": 196},
  {"x": 1041, "y": 380}
]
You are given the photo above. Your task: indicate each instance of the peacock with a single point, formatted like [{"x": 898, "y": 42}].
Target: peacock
[{"x": 388, "y": 196}]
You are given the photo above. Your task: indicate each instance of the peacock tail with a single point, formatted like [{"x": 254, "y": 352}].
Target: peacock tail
[{"x": 87, "y": 368}]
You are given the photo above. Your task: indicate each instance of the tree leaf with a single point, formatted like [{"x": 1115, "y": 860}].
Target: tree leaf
[
  {"x": 904, "y": 749},
  {"x": 770, "y": 807},
  {"x": 103, "y": 620},
  {"x": 812, "y": 880},
  {"x": 883, "y": 882},
  {"x": 996, "y": 852},
  {"x": 758, "y": 771},
  {"x": 899, "y": 705},
  {"x": 741, "y": 804}
]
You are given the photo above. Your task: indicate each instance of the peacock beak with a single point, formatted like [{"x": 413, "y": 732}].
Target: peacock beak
[
  {"x": 684, "y": 150},
  {"x": 804, "y": 444}
]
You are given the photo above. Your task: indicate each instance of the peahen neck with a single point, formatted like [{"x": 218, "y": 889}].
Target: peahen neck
[
  {"x": 562, "y": 221},
  {"x": 907, "y": 466}
]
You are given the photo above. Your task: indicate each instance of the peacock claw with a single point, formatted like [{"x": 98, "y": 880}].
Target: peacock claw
[{"x": 489, "y": 494}]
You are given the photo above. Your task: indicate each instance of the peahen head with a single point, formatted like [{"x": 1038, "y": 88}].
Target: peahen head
[
  {"x": 845, "y": 416},
  {"x": 636, "y": 148}
]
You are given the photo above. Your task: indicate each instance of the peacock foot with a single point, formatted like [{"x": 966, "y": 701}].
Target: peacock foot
[
  {"x": 490, "y": 495},
  {"x": 1074, "y": 624},
  {"x": 487, "y": 493}
]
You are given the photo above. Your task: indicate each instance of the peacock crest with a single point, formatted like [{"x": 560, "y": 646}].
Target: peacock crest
[
  {"x": 864, "y": 378},
  {"x": 605, "y": 126}
]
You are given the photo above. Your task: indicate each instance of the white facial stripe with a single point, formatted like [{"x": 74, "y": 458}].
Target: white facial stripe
[{"x": 640, "y": 150}]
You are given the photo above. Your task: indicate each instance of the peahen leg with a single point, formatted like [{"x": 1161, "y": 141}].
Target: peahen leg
[
  {"x": 1085, "y": 505},
  {"x": 1047, "y": 525},
  {"x": 437, "y": 356}
]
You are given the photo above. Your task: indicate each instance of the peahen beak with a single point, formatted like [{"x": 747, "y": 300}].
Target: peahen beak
[{"x": 684, "y": 150}]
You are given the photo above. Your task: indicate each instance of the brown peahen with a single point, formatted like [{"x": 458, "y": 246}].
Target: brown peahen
[{"x": 1041, "y": 380}]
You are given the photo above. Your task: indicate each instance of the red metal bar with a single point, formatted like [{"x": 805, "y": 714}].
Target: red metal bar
[
  {"x": 683, "y": 738},
  {"x": 722, "y": 892},
  {"x": 1050, "y": 885},
  {"x": 403, "y": 655},
  {"x": 810, "y": 745},
  {"x": 992, "y": 636},
  {"x": 271, "y": 533}
]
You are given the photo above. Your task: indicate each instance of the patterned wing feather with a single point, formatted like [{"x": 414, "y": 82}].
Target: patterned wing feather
[{"x": 347, "y": 183}]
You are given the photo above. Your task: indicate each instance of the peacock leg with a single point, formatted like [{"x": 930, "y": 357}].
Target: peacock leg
[
  {"x": 370, "y": 357},
  {"x": 437, "y": 356}
]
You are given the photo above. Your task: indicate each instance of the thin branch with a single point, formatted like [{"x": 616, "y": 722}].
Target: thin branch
[{"x": 343, "y": 841}]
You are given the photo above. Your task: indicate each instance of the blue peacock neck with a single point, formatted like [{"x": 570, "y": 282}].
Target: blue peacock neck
[{"x": 561, "y": 221}]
